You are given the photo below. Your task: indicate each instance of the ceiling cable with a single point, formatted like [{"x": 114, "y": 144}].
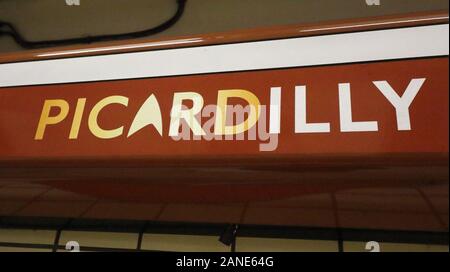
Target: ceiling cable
[{"x": 8, "y": 29}]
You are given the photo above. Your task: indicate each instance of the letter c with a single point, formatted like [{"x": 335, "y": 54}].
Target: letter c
[{"x": 93, "y": 123}]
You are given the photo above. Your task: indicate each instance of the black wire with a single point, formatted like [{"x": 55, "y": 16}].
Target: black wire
[{"x": 9, "y": 29}]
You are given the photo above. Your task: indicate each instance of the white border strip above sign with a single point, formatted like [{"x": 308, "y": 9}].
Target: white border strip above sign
[{"x": 376, "y": 45}]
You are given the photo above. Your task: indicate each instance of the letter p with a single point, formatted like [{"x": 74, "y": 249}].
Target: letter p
[{"x": 46, "y": 119}]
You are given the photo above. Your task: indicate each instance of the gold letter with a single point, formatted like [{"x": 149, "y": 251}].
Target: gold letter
[
  {"x": 93, "y": 124},
  {"x": 51, "y": 120},
  {"x": 220, "y": 127},
  {"x": 149, "y": 113},
  {"x": 77, "y": 118}
]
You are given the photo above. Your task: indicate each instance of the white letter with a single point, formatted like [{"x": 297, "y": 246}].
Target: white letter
[
  {"x": 345, "y": 112},
  {"x": 373, "y": 2},
  {"x": 188, "y": 115},
  {"x": 401, "y": 104},
  {"x": 275, "y": 109},
  {"x": 300, "y": 115}
]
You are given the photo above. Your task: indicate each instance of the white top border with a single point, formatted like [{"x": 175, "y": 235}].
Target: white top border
[{"x": 376, "y": 45}]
